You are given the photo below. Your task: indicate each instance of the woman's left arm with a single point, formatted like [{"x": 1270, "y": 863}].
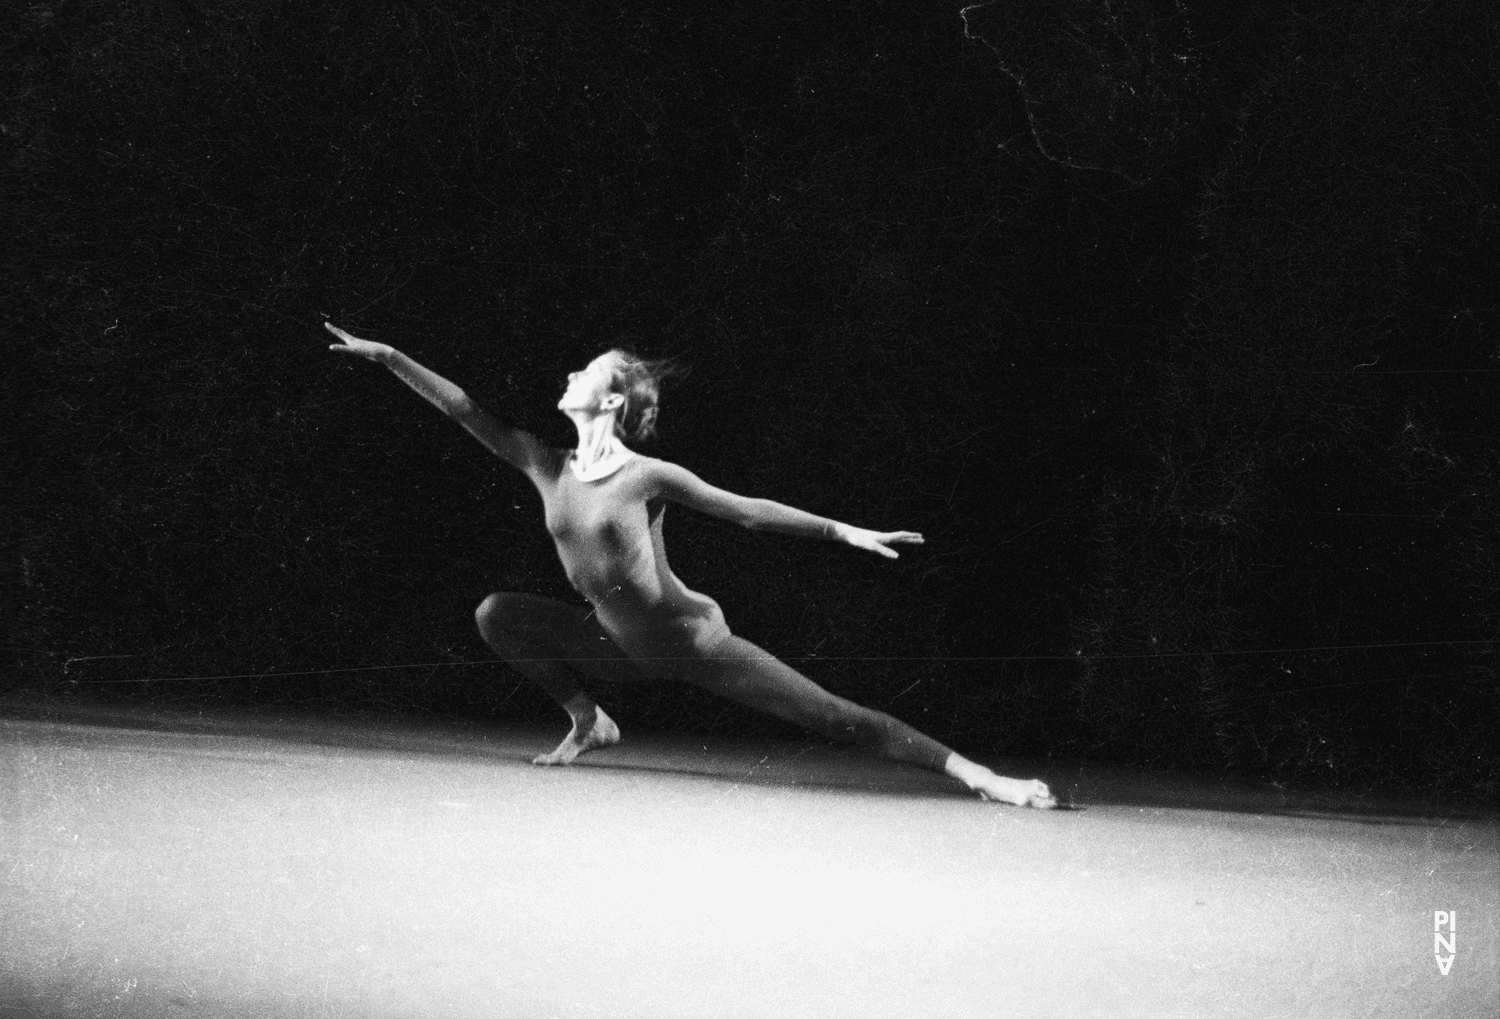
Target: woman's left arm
[{"x": 683, "y": 486}]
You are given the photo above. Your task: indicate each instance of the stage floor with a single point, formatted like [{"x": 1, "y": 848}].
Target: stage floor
[{"x": 239, "y": 867}]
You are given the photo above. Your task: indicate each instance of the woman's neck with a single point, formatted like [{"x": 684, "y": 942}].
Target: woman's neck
[{"x": 597, "y": 441}]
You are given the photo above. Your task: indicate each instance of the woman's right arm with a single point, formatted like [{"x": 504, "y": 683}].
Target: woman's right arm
[{"x": 522, "y": 449}]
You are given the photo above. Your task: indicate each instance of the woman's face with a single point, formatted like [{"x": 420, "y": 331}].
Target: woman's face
[{"x": 589, "y": 389}]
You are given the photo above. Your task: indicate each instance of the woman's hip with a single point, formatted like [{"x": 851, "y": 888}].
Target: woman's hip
[{"x": 668, "y": 645}]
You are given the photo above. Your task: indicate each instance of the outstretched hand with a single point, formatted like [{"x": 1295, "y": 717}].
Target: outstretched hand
[
  {"x": 880, "y": 541},
  {"x": 354, "y": 345}
]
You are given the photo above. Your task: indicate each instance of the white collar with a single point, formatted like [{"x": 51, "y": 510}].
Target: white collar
[{"x": 601, "y": 469}]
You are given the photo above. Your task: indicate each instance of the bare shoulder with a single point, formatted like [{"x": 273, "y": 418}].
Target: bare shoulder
[
  {"x": 646, "y": 472},
  {"x": 664, "y": 480},
  {"x": 519, "y": 447},
  {"x": 548, "y": 461},
  {"x": 662, "y": 476}
]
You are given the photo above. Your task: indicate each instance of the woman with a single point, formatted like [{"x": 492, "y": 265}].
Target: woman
[{"x": 604, "y": 506}]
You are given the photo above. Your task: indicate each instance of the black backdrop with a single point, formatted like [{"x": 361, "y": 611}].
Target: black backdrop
[{"x": 1171, "y": 328}]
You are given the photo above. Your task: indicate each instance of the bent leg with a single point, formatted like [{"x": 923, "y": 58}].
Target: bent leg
[
  {"x": 555, "y": 644},
  {"x": 749, "y": 675},
  {"x": 552, "y": 642}
]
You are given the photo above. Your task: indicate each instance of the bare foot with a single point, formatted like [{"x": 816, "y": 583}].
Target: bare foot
[
  {"x": 990, "y": 786},
  {"x": 602, "y": 732},
  {"x": 1017, "y": 791}
]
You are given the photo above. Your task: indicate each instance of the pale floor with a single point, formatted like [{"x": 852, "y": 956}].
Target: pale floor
[{"x": 222, "y": 867}]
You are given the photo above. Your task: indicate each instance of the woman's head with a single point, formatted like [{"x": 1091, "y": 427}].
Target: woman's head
[
  {"x": 620, "y": 382},
  {"x": 639, "y": 381}
]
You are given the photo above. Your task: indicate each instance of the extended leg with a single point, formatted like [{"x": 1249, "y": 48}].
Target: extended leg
[
  {"x": 743, "y": 672},
  {"x": 554, "y": 644}
]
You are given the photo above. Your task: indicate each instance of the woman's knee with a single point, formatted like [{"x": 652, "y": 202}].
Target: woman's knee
[
  {"x": 505, "y": 612},
  {"x": 490, "y": 611}
]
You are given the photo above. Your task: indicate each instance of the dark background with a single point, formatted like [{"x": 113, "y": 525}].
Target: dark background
[{"x": 1171, "y": 325}]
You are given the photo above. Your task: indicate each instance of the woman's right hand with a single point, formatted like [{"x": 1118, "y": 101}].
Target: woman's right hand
[{"x": 377, "y": 352}]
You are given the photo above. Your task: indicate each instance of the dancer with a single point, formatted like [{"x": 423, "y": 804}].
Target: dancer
[{"x": 603, "y": 506}]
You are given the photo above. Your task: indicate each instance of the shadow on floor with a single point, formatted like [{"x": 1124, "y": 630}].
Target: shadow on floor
[{"x": 790, "y": 764}]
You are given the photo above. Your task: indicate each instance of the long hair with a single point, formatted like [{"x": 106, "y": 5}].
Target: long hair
[{"x": 639, "y": 381}]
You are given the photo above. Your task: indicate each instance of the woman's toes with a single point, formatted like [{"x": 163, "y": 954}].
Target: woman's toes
[{"x": 1043, "y": 800}]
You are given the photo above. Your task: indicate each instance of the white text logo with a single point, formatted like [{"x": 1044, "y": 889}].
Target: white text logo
[{"x": 1444, "y": 942}]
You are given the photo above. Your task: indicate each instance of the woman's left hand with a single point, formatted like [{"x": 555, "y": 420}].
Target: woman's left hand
[
  {"x": 879, "y": 541},
  {"x": 377, "y": 352}
]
